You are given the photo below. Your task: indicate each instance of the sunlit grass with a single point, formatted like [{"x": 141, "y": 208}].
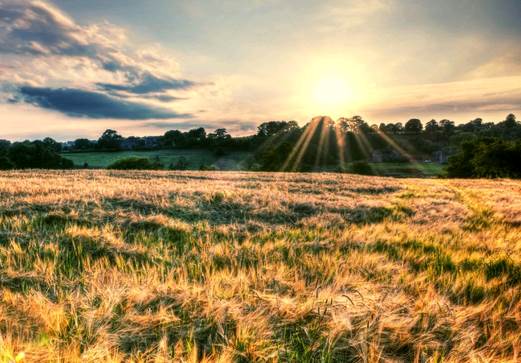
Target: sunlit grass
[{"x": 221, "y": 267}]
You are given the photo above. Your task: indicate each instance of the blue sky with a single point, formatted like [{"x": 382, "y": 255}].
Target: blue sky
[{"x": 71, "y": 68}]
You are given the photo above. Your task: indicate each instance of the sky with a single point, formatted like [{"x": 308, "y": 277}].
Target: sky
[{"x": 73, "y": 68}]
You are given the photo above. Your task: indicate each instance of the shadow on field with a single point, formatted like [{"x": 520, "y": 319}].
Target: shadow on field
[
  {"x": 142, "y": 207},
  {"x": 375, "y": 190},
  {"x": 216, "y": 209},
  {"x": 23, "y": 283},
  {"x": 80, "y": 248}
]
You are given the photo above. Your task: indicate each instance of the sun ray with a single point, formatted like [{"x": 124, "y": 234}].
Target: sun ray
[
  {"x": 301, "y": 146},
  {"x": 399, "y": 149},
  {"x": 340, "y": 141},
  {"x": 394, "y": 145},
  {"x": 365, "y": 143},
  {"x": 362, "y": 142},
  {"x": 323, "y": 145}
]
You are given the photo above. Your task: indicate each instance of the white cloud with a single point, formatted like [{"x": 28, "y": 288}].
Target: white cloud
[{"x": 48, "y": 49}]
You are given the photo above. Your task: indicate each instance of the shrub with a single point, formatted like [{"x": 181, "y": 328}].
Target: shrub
[
  {"x": 181, "y": 164},
  {"x": 5, "y": 163},
  {"x": 36, "y": 155},
  {"x": 135, "y": 163},
  {"x": 362, "y": 168},
  {"x": 205, "y": 167},
  {"x": 219, "y": 152},
  {"x": 486, "y": 158}
]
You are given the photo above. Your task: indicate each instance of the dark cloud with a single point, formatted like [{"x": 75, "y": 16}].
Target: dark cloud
[
  {"x": 161, "y": 97},
  {"x": 82, "y": 103},
  {"x": 166, "y": 98},
  {"x": 149, "y": 84},
  {"x": 38, "y": 29}
]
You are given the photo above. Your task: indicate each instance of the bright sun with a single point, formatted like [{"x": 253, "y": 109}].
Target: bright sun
[
  {"x": 332, "y": 95},
  {"x": 332, "y": 86},
  {"x": 331, "y": 91}
]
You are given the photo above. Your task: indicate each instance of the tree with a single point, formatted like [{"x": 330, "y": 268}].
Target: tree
[
  {"x": 275, "y": 158},
  {"x": 413, "y": 126},
  {"x": 447, "y": 126},
  {"x": 390, "y": 128},
  {"x": 6, "y": 163},
  {"x": 398, "y": 127},
  {"x": 220, "y": 134},
  {"x": 342, "y": 124},
  {"x": 173, "y": 138},
  {"x": 271, "y": 128},
  {"x": 36, "y": 155},
  {"x": 196, "y": 135},
  {"x": 471, "y": 126},
  {"x": 488, "y": 158},
  {"x": 498, "y": 159},
  {"x": 510, "y": 122},
  {"x": 4, "y": 146},
  {"x": 52, "y": 144},
  {"x": 357, "y": 124},
  {"x": 82, "y": 144},
  {"x": 432, "y": 127},
  {"x": 110, "y": 140},
  {"x": 192, "y": 138}
]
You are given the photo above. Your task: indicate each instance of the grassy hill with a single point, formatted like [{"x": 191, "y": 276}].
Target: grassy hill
[
  {"x": 195, "y": 157},
  {"x": 235, "y": 161},
  {"x": 228, "y": 266}
]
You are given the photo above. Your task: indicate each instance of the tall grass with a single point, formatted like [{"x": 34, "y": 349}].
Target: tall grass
[{"x": 241, "y": 267}]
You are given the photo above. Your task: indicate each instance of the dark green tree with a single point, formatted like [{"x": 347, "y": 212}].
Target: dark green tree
[
  {"x": 413, "y": 126},
  {"x": 271, "y": 128},
  {"x": 110, "y": 140},
  {"x": 83, "y": 144}
]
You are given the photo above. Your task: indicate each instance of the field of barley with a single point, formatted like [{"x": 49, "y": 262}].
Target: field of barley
[{"x": 243, "y": 267}]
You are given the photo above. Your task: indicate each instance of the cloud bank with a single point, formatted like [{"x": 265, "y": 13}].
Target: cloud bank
[
  {"x": 87, "y": 71},
  {"x": 80, "y": 103}
]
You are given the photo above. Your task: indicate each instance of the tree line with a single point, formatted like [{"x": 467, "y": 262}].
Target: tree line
[{"x": 470, "y": 149}]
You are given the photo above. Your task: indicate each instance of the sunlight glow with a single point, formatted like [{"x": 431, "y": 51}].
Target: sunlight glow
[
  {"x": 331, "y": 85},
  {"x": 331, "y": 94}
]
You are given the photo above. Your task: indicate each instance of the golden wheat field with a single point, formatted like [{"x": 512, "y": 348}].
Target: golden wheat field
[{"x": 244, "y": 267}]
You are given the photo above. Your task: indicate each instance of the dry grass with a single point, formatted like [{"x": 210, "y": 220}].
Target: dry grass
[{"x": 219, "y": 267}]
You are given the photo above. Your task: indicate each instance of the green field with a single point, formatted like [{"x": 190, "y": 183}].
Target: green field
[
  {"x": 408, "y": 169},
  {"x": 196, "y": 158},
  {"x": 236, "y": 161}
]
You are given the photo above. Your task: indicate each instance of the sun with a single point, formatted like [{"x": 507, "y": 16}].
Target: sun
[
  {"x": 331, "y": 95},
  {"x": 330, "y": 85}
]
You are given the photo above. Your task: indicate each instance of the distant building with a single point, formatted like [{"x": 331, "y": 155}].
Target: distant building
[
  {"x": 441, "y": 156},
  {"x": 72, "y": 145},
  {"x": 141, "y": 143},
  {"x": 152, "y": 142},
  {"x": 377, "y": 156},
  {"x": 68, "y": 145},
  {"x": 131, "y": 143}
]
